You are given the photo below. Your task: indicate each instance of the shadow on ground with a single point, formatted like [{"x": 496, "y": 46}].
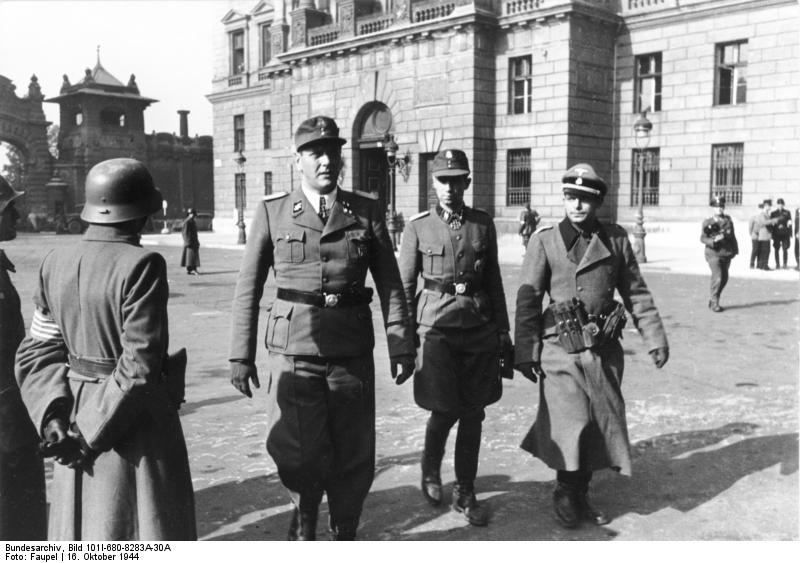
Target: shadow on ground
[{"x": 680, "y": 471}]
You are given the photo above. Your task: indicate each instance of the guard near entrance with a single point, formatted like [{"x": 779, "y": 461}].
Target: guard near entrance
[
  {"x": 572, "y": 347},
  {"x": 462, "y": 326},
  {"x": 95, "y": 377},
  {"x": 23, "y": 510},
  {"x": 320, "y": 241}
]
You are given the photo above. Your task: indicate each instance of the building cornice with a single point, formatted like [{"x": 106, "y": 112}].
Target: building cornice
[{"x": 676, "y": 12}]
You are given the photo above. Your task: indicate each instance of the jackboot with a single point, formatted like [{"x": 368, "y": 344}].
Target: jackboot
[
  {"x": 303, "y": 526},
  {"x": 566, "y": 506},
  {"x": 431, "y": 486},
  {"x": 465, "y": 502},
  {"x": 588, "y": 512}
]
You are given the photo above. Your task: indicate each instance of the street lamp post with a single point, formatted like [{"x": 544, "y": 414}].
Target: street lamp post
[
  {"x": 393, "y": 223},
  {"x": 165, "y": 230},
  {"x": 239, "y": 189},
  {"x": 641, "y": 131}
]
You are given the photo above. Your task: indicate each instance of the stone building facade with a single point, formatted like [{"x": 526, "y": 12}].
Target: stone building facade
[{"x": 526, "y": 87}]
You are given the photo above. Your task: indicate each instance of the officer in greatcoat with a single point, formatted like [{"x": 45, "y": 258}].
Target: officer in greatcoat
[
  {"x": 320, "y": 241},
  {"x": 23, "y": 510},
  {"x": 580, "y": 425},
  {"x": 93, "y": 373},
  {"x": 721, "y": 246},
  {"x": 190, "y": 257},
  {"x": 462, "y": 325}
]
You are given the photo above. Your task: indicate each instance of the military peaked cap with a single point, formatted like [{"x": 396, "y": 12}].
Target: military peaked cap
[
  {"x": 581, "y": 179},
  {"x": 450, "y": 162},
  {"x": 717, "y": 201}
]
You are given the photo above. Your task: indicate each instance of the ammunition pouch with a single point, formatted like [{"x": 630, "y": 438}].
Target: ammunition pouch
[
  {"x": 173, "y": 375},
  {"x": 578, "y": 331}
]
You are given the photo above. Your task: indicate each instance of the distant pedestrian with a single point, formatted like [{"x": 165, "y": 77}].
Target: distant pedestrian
[
  {"x": 93, "y": 374},
  {"x": 572, "y": 345},
  {"x": 528, "y": 221},
  {"x": 763, "y": 227},
  {"x": 752, "y": 229},
  {"x": 781, "y": 233},
  {"x": 721, "y": 246},
  {"x": 190, "y": 259},
  {"x": 23, "y": 509}
]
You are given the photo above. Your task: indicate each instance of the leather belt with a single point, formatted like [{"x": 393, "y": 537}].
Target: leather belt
[
  {"x": 350, "y": 298},
  {"x": 453, "y": 288},
  {"x": 95, "y": 368}
]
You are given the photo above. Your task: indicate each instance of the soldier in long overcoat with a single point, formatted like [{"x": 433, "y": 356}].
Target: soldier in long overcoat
[
  {"x": 91, "y": 371},
  {"x": 23, "y": 510},
  {"x": 717, "y": 234},
  {"x": 320, "y": 241},
  {"x": 462, "y": 323},
  {"x": 190, "y": 258},
  {"x": 580, "y": 425}
]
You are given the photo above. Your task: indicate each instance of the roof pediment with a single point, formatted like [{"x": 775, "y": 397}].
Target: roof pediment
[
  {"x": 233, "y": 16},
  {"x": 262, "y": 8}
]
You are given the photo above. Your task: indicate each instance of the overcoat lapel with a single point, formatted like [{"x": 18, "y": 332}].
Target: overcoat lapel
[
  {"x": 338, "y": 218},
  {"x": 596, "y": 252}
]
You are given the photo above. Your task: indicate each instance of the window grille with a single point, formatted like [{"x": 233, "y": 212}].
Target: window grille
[
  {"x": 727, "y": 171},
  {"x": 646, "y": 166},
  {"x": 518, "y": 178}
]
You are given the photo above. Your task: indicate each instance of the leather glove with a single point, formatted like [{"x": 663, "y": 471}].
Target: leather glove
[
  {"x": 241, "y": 374},
  {"x": 86, "y": 456},
  {"x": 660, "y": 356},
  {"x": 59, "y": 443},
  {"x": 406, "y": 364},
  {"x": 532, "y": 371}
]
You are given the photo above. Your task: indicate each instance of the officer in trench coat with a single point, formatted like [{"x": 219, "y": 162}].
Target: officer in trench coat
[
  {"x": 580, "y": 425},
  {"x": 320, "y": 241},
  {"x": 23, "y": 510},
  {"x": 462, "y": 325},
  {"x": 92, "y": 374},
  {"x": 190, "y": 258}
]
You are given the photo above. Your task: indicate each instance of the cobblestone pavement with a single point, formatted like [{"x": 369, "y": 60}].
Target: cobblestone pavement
[{"x": 714, "y": 434}]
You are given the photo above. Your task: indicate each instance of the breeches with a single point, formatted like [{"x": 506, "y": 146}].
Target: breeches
[
  {"x": 719, "y": 274},
  {"x": 322, "y": 430}
]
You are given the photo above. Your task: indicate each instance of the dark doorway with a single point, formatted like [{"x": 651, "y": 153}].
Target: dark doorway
[
  {"x": 427, "y": 195},
  {"x": 373, "y": 173}
]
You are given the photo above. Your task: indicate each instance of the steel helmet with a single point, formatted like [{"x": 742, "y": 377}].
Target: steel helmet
[
  {"x": 118, "y": 190},
  {"x": 7, "y": 194}
]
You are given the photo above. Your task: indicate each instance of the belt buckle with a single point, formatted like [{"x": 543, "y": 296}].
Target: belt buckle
[
  {"x": 461, "y": 288},
  {"x": 331, "y": 299}
]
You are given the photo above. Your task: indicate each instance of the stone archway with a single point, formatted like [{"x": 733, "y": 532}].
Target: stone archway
[
  {"x": 23, "y": 125},
  {"x": 370, "y": 168}
]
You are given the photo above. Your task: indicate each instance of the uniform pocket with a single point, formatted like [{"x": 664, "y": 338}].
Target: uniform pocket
[
  {"x": 278, "y": 325},
  {"x": 433, "y": 258},
  {"x": 358, "y": 245},
  {"x": 291, "y": 246}
]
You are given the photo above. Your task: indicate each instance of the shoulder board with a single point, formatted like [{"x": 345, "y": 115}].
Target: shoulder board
[
  {"x": 612, "y": 227},
  {"x": 541, "y": 229},
  {"x": 420, "y": 215},
  {"x": 276, "y": 195},
  {"x": 368, "y": 195},
  {"x": 480, "y": 210}
]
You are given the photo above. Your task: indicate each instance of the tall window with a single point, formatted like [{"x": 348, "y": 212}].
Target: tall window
[
  {"x": 648, "y": 83},
  {"x": 519, "y": 84},
  {"x": 518, "y": 177},
  {"x": 240, "y": 191},
  {"x": 727, "y": 168},
  {"x": 267, "y": 129},
  {"x": 730, "y": 81},
  {"x": 267, "y": 183},
  {"x": 238, "y": 133},
  {"x": 237, "y": 52},
  {"x": 645, "y": 176},
  {"x": 266, "y": 44}
]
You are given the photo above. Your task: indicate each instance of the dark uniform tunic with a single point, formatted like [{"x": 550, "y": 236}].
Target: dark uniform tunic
[
  {"x": 580, "y": 424},
  {"x": 719, "y": 254},
  {"x": 23, "y": 511},
  {"x": 781, "y": 234},
  {"x": 457, "y": 361},
  {"x": 321, "y": 384},
  {"x": 104, "y": 301},
  {"x": 190, "y": 258}
]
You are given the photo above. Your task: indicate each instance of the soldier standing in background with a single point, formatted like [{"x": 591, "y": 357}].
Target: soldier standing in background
[
  {"x": 781, "y": 233},
  {"x": 721, "y": 246},
  {"x": 763, "y": 227},
  {"x": 320, "y": 241},
  {"x": 92, "y": 374},
  {"x": 190, "y": 258},
  {"x": 528, "y": 221},
  {"x": 580, "y": 425},
  {"x": 23, "y": 510},
  {"x": 752, "y": 228},
  {"x": 462, "y": 325}
]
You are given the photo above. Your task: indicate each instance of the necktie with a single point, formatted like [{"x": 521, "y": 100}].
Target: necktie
[{"x": 323, "y": 210}]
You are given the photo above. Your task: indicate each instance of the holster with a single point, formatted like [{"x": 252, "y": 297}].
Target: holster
[{"x": 174, "y": 377}]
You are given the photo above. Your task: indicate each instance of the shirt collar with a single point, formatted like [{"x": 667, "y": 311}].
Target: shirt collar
[
  {"x": 111, "y": 233},
  {"x": 313, "y": 198}
]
